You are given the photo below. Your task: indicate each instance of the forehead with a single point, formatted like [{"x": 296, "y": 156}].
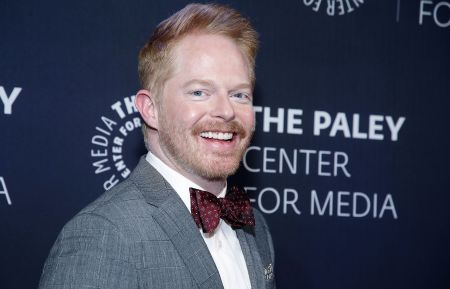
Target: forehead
[{"x": 206, "y": 55}]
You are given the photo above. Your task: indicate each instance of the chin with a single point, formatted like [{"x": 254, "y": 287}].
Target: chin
[{"x": 219, "y": 170}]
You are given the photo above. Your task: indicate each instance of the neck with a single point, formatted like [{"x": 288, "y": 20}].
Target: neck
[{"x": 212, "y": 186}]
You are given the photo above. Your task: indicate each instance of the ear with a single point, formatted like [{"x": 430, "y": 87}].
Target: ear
[{"x": 145, "y": 104}]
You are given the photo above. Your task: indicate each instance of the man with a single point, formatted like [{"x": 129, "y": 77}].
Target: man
[{"x": 197, "y": 71}]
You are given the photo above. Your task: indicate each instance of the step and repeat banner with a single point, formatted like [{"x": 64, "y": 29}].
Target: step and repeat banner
[{"x": 350, "y": 159}]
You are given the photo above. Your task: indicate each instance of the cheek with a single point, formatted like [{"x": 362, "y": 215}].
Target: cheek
[
  {"x": 247, "y": 117},
  {"x": 186, "y": 115}
]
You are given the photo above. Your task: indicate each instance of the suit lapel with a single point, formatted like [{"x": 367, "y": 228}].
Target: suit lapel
[
  {"x": 251, "y": 256},
  {"x": 175, "y": 219}
]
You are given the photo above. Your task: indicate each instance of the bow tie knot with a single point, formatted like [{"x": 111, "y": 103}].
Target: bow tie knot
[{"x": 207, "y": 209}]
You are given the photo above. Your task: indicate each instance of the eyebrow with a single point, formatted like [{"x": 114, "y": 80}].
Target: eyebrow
[
  {"x": 244, "y": 85},
  {"x": 210, "y": 83},
  {"x": 198, "y": 81}
]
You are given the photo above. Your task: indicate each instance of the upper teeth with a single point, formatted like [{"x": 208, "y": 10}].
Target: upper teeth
[{"x": 217, "y": 135}]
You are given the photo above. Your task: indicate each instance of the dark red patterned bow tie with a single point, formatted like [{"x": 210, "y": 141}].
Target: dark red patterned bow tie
[{"x": 207, "y": 209}]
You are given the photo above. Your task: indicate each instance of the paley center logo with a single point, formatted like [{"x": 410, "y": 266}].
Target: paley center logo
[
  {"x": 333, "y": 7},
  {"x": 117, "y": 142}
]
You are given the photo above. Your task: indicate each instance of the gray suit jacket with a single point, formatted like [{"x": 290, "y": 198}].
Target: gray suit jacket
[{"x": 141, "y": 235}]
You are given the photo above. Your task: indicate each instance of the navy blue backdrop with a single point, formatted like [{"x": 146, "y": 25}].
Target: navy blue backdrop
[{"x": 350, "y": 158}]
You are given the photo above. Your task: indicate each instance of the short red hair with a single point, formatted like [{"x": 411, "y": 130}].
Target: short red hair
[{"x": 155, "y": 57}]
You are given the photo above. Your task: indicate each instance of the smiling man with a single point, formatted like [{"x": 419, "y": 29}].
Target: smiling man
[
  {"x": 175, "y": 222},
  {"x": 202, "y": 119}
]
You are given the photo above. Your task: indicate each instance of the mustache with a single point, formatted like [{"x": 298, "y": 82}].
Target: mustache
[{"x": 233, "y": 126}]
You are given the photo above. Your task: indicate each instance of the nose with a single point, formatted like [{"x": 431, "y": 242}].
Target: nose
[{"x": 223, "y": 108}]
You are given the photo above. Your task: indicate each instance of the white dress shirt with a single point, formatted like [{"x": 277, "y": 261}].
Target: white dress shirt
[{"x": 223, "y": 243}]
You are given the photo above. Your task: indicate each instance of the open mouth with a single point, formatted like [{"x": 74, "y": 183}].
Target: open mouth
[{"x": 223, "y": 136}]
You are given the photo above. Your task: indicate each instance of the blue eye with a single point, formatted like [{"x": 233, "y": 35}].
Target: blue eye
[
  {"x": 197, "y": 93},
  {"x": 241, "y": 96}
]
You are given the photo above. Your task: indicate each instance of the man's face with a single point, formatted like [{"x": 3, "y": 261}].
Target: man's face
[{"x": 205, "y": 113}]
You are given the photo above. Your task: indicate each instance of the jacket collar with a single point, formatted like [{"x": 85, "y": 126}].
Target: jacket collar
[{"x": 175, "y": 219}]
